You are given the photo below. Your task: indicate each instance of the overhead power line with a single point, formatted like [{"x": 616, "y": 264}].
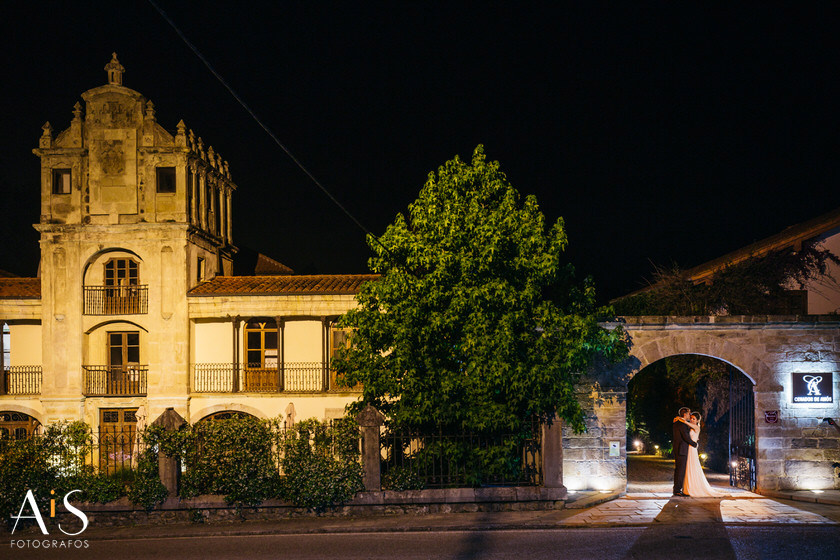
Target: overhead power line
[{"x": 265, "y": 127}]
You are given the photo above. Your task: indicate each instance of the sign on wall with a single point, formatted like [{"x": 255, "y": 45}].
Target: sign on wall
[
  {"x": 812, "y": 387},
  {"x": 771, "y": 416}
]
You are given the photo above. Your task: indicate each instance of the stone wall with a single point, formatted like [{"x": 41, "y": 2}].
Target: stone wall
[{"x": 795, "y": 452}]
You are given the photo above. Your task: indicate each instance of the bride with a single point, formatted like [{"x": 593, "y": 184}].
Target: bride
[{"x": 696, "y": 484}]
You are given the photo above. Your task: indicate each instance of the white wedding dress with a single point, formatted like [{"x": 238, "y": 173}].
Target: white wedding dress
[{"x": 696, "y": 484}]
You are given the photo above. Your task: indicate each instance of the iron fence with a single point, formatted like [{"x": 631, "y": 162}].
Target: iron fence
[
  {"x": 116, "y": 300},
  {"x": 106, "y": 381},
  {"x": 112, "y": 450},
  {"x": 21, "y": 380},
  {"x": 416, "y": 461}
]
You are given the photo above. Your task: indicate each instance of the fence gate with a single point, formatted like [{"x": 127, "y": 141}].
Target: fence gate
[{"x": 742, "y": 465}]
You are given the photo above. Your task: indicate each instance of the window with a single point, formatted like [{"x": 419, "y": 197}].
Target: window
[
  {"x": 17, "y": 425},
  {"x": 199, "y": 270},
  {"x": 339, "y": 338},
  {"x": 261, "y": 373},
  {"x": 227, "y": 415},
  {"x": 261, "y": 343},
  {"x": 123, "y": 350},
  {"x": 166, "y": 179},
  {"x": 122, "y": 272},
  {"x": 61, "y": 181}
]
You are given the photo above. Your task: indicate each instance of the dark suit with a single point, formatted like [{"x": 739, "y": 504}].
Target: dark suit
[{"x": 682, "y": 439}]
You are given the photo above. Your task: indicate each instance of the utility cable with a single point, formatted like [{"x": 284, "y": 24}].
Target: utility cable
[{"x": 268, "y": 131}]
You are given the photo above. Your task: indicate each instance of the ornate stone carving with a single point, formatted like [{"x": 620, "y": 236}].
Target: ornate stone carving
[{"x": 112, "y": 157}]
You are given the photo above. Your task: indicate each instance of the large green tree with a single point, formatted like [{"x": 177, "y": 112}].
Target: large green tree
[{"x": 476, "y": 322}]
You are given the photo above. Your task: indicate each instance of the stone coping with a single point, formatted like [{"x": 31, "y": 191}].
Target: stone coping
[
  {"x": 382, "y": 498},
  {"x": 659, "y": 320}
]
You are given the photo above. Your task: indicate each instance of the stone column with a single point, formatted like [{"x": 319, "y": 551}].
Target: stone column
[
  {"x": 370, "y": 421},
  {"x": 229, "y": 216},
  {"x": 324, "y": 353},
  {"x": 201, "y": 202},
  {"x": 281, "y": 356},
  {"x": 552, "y": 454},
  {"x": 169, "y": 467},
  {"x": 235, "y": 382}
]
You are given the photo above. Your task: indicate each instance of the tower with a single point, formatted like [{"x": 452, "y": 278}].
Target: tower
[{"x": 132, "y": 216}]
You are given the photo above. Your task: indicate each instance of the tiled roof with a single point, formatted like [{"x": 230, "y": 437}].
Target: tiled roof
[
  {"x": 282, "y": 285},
  {"x": 789, "y": 237},
  {"x": 20, "y": 288}
]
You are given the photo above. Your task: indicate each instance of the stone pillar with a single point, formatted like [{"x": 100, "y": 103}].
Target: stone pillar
[
  {"x": 324, "y": 353},
  {"x": 235, "y": 381},
  {"x": 281, "y": 353},
  {"x": 370, "y": 421},
  {"x": 168, "y": 467},
  {"x": 552, "y": 454},
  {"x": 202, "y": 200},
  {"x": 2, "y": 363},
  {"x": 229, "y": 217}
]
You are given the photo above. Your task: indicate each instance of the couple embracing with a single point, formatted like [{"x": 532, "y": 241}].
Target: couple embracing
[{"x": 689, "y": 479}]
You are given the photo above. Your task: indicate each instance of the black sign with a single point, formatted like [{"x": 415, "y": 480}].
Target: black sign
[
  {"x": 813, "y": 387},
  {"x": 771, "y": 416}
]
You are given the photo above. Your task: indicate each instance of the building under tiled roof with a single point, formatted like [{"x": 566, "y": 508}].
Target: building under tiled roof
[
  {"x": 20, "y": 288},
  {"x": 282, "y": 285}
]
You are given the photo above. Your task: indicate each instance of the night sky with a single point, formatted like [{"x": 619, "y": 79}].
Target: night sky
[{"x": 659, "y": 134}]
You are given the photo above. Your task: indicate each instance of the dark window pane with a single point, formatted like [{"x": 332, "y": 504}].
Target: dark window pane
[
  {"x": 133, "y": 339},
  {"x": 271, "y": 339},
  {"x": 61, "y": 181},
  {"x": 133, "y": 354},
  {"x": 166, "y": 179},
  {"x": 128, "y": 416},
  {"x": 110, "y": 416},
  {"x": 116, "y": 356},
  {"x": 253, "y": 340},
  {"x": 254, "y": 358}
]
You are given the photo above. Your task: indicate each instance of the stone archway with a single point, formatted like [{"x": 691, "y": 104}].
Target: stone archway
[{"x": 717, "y": 392}]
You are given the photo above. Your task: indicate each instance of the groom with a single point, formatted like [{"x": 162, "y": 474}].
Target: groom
[{"x": 682, "y": 439}]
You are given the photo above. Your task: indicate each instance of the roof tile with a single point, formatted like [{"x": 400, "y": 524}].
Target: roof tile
[
  {"x": 20, "y": 288},
  {"x": 282, "y": 285}
]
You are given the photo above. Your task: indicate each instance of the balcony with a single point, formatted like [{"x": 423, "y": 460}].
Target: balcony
[
  {"x": 20, "y": 380},
  {"x": 294, "y": 377},
  {"x": 115, "y": 381},
  {"x": 116, "y": 300}
]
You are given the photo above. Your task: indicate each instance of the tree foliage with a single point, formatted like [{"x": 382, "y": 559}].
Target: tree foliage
[
  {"x": 757, "y": 285},
  {"x": 476, "y": 322}
]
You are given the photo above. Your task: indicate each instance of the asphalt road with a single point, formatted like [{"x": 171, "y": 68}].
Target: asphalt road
[{"x": 701, "y": 540}]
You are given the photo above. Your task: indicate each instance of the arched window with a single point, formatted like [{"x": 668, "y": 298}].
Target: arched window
[
  {"x": 226, "y": 415},
  {"x": 17, "y": 425}
]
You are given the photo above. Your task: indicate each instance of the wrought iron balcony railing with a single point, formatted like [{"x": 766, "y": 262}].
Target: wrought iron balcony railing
[
  {"x": 116, "y": 300},
  {"x": 20, "y": 380},
  {"x": 292, "y": 377},
  {"x": 115, "y": 381}
]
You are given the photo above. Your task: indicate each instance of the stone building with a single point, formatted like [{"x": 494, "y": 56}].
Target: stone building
[{"x": 135, "y": 308}]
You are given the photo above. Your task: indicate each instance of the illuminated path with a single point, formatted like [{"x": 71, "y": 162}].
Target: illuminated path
[{"x": 646, "y": 509}]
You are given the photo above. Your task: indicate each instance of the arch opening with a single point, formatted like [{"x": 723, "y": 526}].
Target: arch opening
[{"x": 721, "y": 393}]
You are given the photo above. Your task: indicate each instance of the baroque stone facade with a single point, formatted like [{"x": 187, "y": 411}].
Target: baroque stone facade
[{"x": 135, "y": 309}]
